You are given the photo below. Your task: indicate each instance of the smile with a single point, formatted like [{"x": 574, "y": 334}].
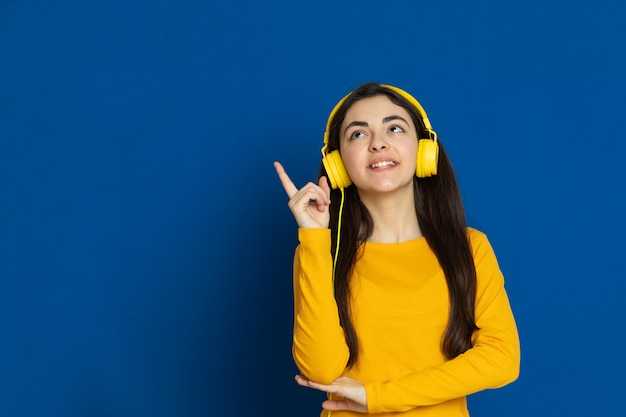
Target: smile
[{"x": 383, "y": 164}]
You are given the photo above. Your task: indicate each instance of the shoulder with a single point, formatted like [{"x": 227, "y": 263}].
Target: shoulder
[
  {"x": 480, "y": 245},
  {"x": 476, "y": 237}
]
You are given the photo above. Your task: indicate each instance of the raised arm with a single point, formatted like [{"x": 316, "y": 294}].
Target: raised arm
[{"x": 319, "y": 347}]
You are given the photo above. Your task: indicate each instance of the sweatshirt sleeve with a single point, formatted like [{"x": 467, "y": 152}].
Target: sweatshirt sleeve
[
  {"x": 492, "y": 362},
  {"x": 319, "y": 347}
]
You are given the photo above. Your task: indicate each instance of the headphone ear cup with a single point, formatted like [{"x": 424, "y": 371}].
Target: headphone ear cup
[
  {"x": 427, "y": 158},
  {"x": 336, "y": 170}
]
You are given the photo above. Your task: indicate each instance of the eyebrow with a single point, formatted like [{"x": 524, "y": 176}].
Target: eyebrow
[
  {"x": 394, "y": 117},
  {"x": 365, "y": 124},
  {"x": 355, "y": 123}
]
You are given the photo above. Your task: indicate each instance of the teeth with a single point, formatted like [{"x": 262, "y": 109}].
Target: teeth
[{"x": 383, "y": 164}]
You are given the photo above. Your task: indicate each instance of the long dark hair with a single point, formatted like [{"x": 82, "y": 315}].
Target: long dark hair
[{"x": 441, "y": 218}]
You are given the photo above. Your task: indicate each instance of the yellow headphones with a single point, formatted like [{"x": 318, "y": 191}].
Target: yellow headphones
[{"x": 427, "y": 149}]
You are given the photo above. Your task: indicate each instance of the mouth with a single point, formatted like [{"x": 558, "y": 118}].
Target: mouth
[{"x": 383, "y": 164}]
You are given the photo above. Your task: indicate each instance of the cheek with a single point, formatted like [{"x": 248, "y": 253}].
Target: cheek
[
  {"x": 349, "y": 161},
  {"x": 410, "y": 149}
]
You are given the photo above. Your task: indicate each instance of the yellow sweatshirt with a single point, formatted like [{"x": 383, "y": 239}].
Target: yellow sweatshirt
[{"x": 400, "y": 311}]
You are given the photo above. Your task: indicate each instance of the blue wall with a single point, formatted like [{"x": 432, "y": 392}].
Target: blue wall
[{"x": 145, "y": 241}]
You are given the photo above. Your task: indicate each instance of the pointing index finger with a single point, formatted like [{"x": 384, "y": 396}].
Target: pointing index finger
[{"x": 288, "y": 185}]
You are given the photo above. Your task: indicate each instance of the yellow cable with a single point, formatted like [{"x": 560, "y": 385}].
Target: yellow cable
[
  {"x": 338, "y": 234},
  {"x": 330, "y": 395}
]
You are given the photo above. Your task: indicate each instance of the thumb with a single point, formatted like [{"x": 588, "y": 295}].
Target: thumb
[{"x": 323, "y": 183}]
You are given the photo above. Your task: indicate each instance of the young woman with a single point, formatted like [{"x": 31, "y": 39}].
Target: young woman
[{"x": 399, "y": 307}]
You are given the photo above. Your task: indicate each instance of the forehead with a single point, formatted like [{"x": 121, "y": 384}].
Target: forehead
[{"x": 374, "y": 109}]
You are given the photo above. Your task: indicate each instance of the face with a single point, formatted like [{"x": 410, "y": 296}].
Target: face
[{"x": 379, "y": 145}]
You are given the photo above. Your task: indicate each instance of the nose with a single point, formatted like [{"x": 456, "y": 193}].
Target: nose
[{"x": 378, "y": 142}]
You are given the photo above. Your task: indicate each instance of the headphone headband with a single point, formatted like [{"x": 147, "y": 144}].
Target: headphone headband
[{"x": 408, "y": 97}]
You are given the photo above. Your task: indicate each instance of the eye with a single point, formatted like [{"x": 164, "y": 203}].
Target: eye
[
  {"x": 357, "y": 134},
  {"x": 396, "y": 129}
]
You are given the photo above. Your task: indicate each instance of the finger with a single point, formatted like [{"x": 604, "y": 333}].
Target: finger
[
  {"x": 322, "y": 189},
  {"x": 302, "y": 381},
  {"x": 323, "y": 183},
  {"x": 288, "y": 185},
  {"x": 335, "y": 405},
  {"x": 310, "y": 194}
]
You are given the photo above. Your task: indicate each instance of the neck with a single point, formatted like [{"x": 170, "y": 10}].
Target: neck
[{"x": 394, "y": 218}]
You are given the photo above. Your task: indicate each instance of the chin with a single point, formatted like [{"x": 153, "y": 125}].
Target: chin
[{"x": 389, "y": 187}]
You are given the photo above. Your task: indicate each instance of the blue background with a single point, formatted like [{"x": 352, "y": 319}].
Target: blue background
[{"x": 145, "y": 240}]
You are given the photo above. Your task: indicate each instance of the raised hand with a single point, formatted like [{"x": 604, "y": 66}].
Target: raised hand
[
  {"x": 355, "y": 396},
  {"x": 308, "y": 204}
]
